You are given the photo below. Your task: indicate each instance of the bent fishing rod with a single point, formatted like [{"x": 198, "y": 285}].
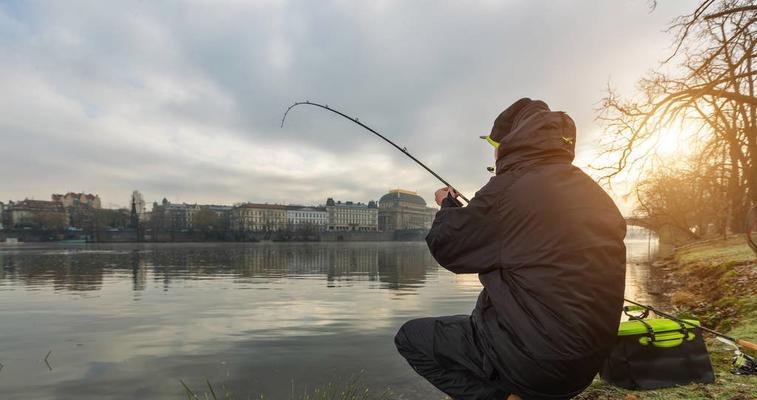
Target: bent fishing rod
[
  {"x": 727, "y": 339},
  {"x": 357, "y": 121}
]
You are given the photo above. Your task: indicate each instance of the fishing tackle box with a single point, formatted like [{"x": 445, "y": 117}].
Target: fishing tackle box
[{"x": 657, "y": 353}]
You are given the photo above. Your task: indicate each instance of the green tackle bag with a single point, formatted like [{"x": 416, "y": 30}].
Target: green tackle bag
[{"x": 657, "y": 353}]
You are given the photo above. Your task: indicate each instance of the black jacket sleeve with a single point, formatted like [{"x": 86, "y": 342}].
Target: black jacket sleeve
[{"x": 464, "y": 239}]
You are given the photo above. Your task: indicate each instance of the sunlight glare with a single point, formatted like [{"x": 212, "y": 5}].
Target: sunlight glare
[{"x": 668, "y": 141}]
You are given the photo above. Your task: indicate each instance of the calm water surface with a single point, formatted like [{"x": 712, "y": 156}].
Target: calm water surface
[{"x": 128, "y": 321}]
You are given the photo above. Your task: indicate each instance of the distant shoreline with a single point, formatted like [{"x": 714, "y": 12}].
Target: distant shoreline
[{"x": 133, "y": 236}]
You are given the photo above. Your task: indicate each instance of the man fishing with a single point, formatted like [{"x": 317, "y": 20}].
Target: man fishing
[{"x": 547, "y": 243}]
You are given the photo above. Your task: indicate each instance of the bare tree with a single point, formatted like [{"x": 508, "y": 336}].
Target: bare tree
[
  {"x": 710, "y": 98},
  {"x": 686, "y": 199}
]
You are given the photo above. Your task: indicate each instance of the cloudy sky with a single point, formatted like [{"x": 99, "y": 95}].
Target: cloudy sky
[{"x": 183, "y": 99}]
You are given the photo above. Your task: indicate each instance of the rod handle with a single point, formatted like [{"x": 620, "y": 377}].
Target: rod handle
[
  {"x": 747, "y": 345},
  {"x": 459, "y": 195}
]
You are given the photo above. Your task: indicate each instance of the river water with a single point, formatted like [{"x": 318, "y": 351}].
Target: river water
[{"x": 126, "y": 321}]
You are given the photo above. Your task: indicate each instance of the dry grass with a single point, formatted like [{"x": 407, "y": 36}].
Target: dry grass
[{"x": 732, "y": 250}]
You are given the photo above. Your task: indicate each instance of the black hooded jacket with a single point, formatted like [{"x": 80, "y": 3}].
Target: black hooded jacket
[{"x": 547, "y": 243}]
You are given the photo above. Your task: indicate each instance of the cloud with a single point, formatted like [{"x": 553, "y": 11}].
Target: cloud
[{"x": 183, "y": 100}]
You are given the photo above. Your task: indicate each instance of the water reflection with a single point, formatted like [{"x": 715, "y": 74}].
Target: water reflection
[
  {"x": 399, "y": 266},
  {"x": 643, "y": 283},
  {"x": 129, "y": 321}
]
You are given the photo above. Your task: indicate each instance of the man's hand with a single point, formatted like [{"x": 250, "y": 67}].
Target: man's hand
[{"x": 443, "y": 192}]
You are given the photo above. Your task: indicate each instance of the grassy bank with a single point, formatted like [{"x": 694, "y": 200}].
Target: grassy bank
[
  {"x": 713, "y": 282},
  {"x": 351, "y": 389}
]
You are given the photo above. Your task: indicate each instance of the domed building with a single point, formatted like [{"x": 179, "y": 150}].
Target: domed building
[{"x": 404, "y": 210}]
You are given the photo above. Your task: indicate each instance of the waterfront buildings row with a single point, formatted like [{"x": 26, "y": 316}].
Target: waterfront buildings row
[
  {"x": 334, "y": 216},
  {"x": 71, "y": 199},
  {"x": 37, "y": 213},
  {"x": 397, "y": 210}
]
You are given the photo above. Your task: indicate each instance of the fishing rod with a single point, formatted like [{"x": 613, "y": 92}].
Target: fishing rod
[
  {"x": 357, "y": 121},
  {"x": 727, "y": 339}
]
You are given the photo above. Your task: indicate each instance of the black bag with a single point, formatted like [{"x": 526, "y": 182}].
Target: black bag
[{"x": 657, "y": 353}]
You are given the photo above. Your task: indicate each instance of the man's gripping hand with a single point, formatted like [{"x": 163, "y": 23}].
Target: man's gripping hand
[{"x": 446, "y": 193}]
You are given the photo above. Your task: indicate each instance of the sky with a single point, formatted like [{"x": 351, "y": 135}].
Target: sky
[{"x": 183, "y": 99}]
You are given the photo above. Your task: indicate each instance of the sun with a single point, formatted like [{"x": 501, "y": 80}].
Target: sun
[{"x": 668, "y": 141}]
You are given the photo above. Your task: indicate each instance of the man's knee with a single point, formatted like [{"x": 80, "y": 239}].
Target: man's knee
[
  {"x": 401, "y": 341},
  {"x": 414, "y": 335}
]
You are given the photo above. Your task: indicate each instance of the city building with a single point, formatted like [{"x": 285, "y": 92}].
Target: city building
[
  {"x": 299, "y": 217},
  {"x": 349, "y": 216},
  {"x": 36, "y": 214},
  {"x": 252, "y": 217},
  {"x": 71, "y": 199},
  {"x": 2, "y": 214},
  {"x": 404, "y": 210},
  {"x": 168, "y": 216}
]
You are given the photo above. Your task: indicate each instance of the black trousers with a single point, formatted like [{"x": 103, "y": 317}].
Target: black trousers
[{"x": 445, "y": 351}]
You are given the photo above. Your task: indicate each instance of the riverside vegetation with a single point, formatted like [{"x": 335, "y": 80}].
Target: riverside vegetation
[
  {"x": 712, "y": 281},
  {"x": 687, "y": 138}
]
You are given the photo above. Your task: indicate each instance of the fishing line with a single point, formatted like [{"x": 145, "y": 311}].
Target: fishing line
[{"x": 357, "y": 121}]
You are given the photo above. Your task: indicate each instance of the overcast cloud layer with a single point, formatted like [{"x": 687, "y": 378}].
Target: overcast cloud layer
[{"x": 183, "y": 99}]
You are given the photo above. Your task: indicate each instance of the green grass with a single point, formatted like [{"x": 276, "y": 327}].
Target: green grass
[
  {"x": 747, "y": 326},
  {"x": 732, "y": 251}
]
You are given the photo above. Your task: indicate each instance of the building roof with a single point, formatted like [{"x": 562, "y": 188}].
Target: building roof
[
  {"x": 398, "y": 190},
  {"x": 261, "y": 206},
  {"x": 349, "y": 204},
  {"x": 397, "y": 195},
  {"x": 305, "y": 208}
]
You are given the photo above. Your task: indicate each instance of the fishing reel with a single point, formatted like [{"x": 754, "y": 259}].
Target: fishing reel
[{"x": 743, "y": 364}]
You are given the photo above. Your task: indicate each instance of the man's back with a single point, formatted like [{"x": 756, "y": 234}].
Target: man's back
[
  {"x": 547, "y": 243},
  {"x": 561, "y": 272}
]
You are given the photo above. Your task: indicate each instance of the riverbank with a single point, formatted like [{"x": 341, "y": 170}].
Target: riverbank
[{"x": 713, "y": 282}]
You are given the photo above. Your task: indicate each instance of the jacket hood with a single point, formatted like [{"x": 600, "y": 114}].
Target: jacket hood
[
  {"x": 536, "y": 134},
  {"x": 503, "y": 125}
]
